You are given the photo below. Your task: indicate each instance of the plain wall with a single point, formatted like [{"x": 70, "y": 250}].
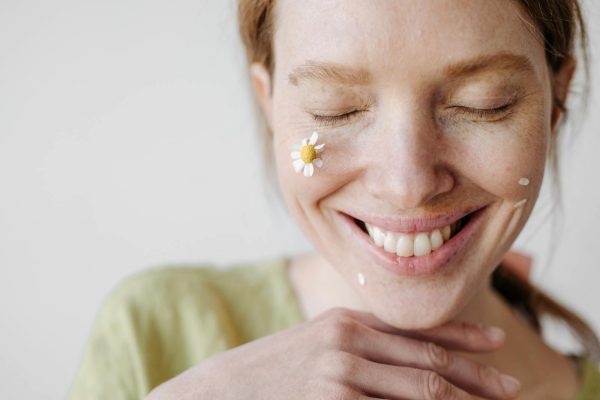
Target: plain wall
[{"x": 127, "y": 141}]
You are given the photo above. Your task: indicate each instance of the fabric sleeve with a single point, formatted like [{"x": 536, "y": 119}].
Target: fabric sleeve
[
  {"x": 153, "y": 326},
  {"x": 590, "y": 386},
  {"x": 112, "y": 367}
]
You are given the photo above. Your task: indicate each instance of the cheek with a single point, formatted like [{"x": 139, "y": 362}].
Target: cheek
[
  {"x": 337, "y": 168},
  {"x": 302, "y": 194},
  {"x": 497, "y": 158}
]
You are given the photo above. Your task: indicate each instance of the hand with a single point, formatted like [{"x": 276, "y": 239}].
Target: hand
[{"x": 345, "y": 354}]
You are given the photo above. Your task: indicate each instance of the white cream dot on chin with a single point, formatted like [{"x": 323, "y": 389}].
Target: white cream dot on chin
[
  {"x": 523, "y": 181},
  {"x": 361, "y": 279}
]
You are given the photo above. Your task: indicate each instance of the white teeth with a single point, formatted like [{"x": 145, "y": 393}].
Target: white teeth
[
  {"x": 422, "y": 244},
  {"x": 446, "y": 231},
  {"x": 389, "y": 244},
  {"x": 407, "y": 245},
  {"x": 436, "y": 238},
  {"x": 378, "y": 236}
]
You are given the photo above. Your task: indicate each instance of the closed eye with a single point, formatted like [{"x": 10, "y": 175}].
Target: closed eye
[
  {"x": 483, "y": 113},
  {"x": 330, "y": 120}
]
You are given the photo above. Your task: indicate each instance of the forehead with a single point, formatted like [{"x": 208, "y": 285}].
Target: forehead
[{"x": 402, "y": 35}]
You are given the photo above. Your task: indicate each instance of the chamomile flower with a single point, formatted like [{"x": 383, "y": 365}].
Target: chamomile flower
[{"x": 305, "y": 155}]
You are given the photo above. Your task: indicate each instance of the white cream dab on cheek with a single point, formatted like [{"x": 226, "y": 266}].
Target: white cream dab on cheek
[
  {"x": 517, "y": 214},
  {"x": 523, "y": 181},
  {"x": 520, "y": 203},
  {"x": 361, "y": 279}
]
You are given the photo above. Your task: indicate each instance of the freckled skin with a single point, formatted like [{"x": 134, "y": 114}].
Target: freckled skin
[{"x": 408, "y": 153}]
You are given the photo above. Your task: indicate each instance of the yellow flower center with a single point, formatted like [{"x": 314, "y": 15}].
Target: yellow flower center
[{"x": 308, "y": 153}]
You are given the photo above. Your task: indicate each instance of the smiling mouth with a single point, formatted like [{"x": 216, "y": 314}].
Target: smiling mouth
[{"x": 415, "y": 244}]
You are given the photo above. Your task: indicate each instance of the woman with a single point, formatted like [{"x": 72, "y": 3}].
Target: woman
[{"x": 430, "y": 125}]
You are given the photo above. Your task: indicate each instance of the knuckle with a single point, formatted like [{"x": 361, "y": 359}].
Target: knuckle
[
  {"x": 335, "y": 312},
  {"x": 340, "y": 331},
  {"x": 340, "y": 366},
  {"x": 472, "y": 333},
  {"x": 435, "y": 387},
  {"x": 342, "y": 392},
  {"x": 437, "y": 357},
  {"x": 486, "y": 374}
]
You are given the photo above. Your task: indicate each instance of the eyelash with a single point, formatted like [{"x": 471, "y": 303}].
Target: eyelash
[
  {"x": 484, "y": 112},
  {"x": 330, "y": 120}
]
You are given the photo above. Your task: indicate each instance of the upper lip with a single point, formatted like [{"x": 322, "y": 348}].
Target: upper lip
[{"x": 424, "y": 223}]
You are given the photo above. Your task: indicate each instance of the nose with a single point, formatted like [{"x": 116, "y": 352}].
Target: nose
[{"x": 408, "y": 163}]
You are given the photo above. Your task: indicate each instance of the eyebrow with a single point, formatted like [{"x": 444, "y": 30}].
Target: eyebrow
[
  {"x": 329, "y": 72},
  {"x": 499, "y": 61},
  {"x": 345, "y": 75}
]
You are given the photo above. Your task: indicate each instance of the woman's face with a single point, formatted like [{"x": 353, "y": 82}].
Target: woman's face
[{"x": 411, "y": 152}]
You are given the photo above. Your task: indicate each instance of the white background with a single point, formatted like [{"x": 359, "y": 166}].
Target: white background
[{"x": 127, "y": 141}]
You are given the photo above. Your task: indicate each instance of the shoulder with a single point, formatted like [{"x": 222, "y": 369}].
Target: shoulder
[
  {"x": 149, "y": 288},
  {"x": 226, "y": 305},
  {"x": 153, "y": 289},
  {"x": 161, "y": 321}
]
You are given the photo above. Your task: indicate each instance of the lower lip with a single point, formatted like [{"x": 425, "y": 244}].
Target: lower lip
[{"x": 423, "y": 265}]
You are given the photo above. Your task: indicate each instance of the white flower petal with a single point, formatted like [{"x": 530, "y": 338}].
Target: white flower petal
[
  {"x": 318, "y": 162},
  {"x": 298, "y": 165},
  {"x": 295, "y": 155},
  {"x": 304, "y": 142},
  {"x": 309, "y": 169},
  {"x": 319, "y": 146},
  {"x": 314, "y": 137},
  {"x": 297, "y": 146}
]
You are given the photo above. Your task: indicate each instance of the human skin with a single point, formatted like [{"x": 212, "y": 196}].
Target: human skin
[{"x": 410, "y": 151}]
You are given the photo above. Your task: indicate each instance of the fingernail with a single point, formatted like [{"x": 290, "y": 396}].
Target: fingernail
[
  {"x": 510, "y": 384},
  {"x": 494, "y": 333}
]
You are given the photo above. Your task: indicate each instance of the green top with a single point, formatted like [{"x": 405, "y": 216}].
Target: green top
[{"x": 162, "y": 321}]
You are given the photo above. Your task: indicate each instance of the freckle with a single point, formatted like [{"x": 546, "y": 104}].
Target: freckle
[
  {"x": 520, "y": 203},
  {"x": 361, "y": 279},
  {"x": 523, "y": 181}
]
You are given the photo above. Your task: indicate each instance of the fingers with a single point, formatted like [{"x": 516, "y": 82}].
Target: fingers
[
  {"x": 478, "y": 379},
  {"x": 393, "y": 350},
  {"x": 464, "y": 336},
  {"x": 453, "y": 335},
  {"x": 398, "y": 382},
  {"x": 418, "y": 363}
]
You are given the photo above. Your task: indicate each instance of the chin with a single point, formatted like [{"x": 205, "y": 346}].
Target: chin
[{"x": 418, "y": 309}]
